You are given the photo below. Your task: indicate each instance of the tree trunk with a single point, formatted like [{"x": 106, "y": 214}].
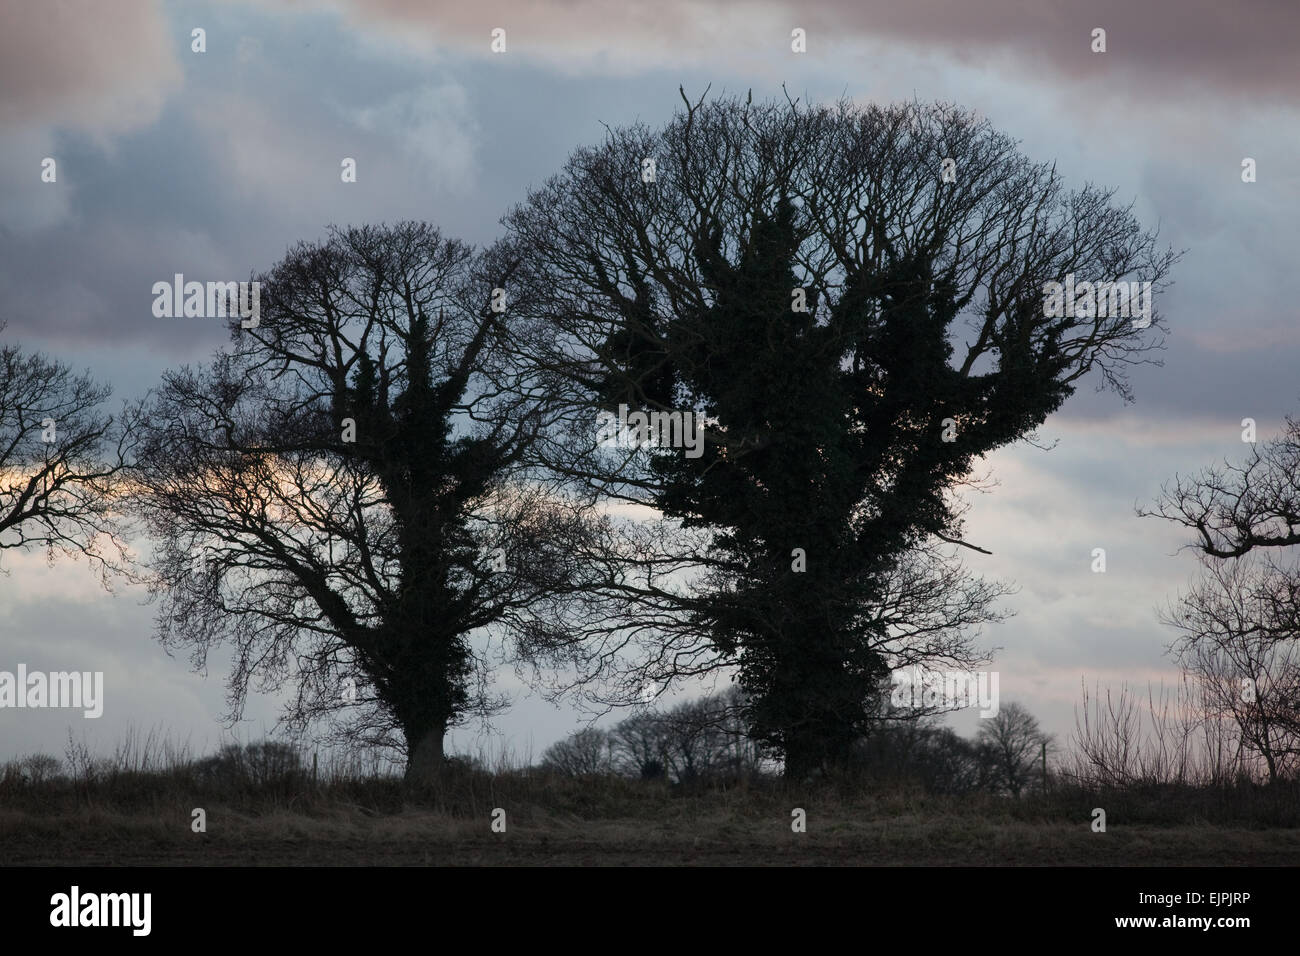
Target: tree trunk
[
  {"x": 821, "y": 745},
  {"x": 803, "y": 756},
  {"x": 425, "y": 755}
]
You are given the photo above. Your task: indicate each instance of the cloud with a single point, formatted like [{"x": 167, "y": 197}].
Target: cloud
[
  {"x": 575, "y": 36},
  {"x": 97, "y": 67},
  {"x": 434, "y": 125},
  {"x": 1245, "y": 47},
  {"x": 73, "y": 66},
  {"x": 28, "y": 202}
]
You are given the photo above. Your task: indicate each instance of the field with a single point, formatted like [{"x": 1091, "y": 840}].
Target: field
[
  {"x": 145, "y": 818},
  {"x": 425, "y": 839}
]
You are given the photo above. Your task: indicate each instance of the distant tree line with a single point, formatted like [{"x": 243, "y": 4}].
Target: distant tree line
[{"x": 707, "y": 741}]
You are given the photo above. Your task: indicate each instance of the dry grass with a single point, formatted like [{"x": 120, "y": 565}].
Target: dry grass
[{"x": 267, "y": 809}]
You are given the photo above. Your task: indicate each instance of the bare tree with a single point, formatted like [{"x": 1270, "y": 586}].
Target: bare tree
[
  {"x": 61, "y": 460},
  {"x": 706, "y": 738},
  {"x": 588, "y": 752},
  {"x": 1014, "y": 745},
  {"x": 639, "y": 746},
  {"x": 1238, "y": 508},
  {"x": 1240, "y": 623},
  {"x": 857, "y": 327},
  {"x": 920, "y": 749},
  {"x": 343, "y": 498},
  {"x": 1239, "y": 639},
  {"x": 695, "y": 739}
]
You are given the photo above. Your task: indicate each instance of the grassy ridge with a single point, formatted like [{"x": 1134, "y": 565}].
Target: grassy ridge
[{"x": 263, "y": 807}]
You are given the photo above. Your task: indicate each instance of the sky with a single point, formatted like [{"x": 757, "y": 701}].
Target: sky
[{"x": 213, "y": 163}]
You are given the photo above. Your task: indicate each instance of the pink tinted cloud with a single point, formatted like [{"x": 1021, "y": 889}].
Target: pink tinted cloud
[
  {"x": 1166, "y": 47},
  {"x": 104, "y": 67}
]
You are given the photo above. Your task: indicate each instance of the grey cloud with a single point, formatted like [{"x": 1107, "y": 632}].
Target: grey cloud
[{"x": 1247, "y": 47}]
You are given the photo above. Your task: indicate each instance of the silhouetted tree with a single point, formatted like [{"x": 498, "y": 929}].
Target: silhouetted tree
[
  {"x": 1014, "y": 745},
  {"x": 705, "y": 738},
  {"x": 266, "y": 763},
  {"x": 708, "y": 738},
  {"x": 858, "y": 328},
  {"x": 1237, "y": 509},
  {"x": 922, "y": 751},
  {"x": 639, "y": 746},
  {"x": 585, "y": 753},
  {"x": 1240, "y": 641},
  {"x": 61, "y": 459},
  {"x": 1239, "y": 623},
  {"x": 341, "y": 496}
]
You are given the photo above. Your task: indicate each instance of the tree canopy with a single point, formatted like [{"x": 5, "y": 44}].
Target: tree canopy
[{"x": 853, "y": 299}]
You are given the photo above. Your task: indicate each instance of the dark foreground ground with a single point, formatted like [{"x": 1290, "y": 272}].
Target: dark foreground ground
[
  {"x": 416, "y": 841},
  {"x": 602, "y": 822}
]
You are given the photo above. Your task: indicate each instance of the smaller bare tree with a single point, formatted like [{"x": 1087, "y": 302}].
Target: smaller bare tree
[
  {"x": 585, "y": 753},
  {"x": 1013, "y": 742},
  {"x": 61, "y": 456},
  {"x": 639, "y": 748},
  {"x": 695, "y": 740},
  {"x": 1239, "y": 642},
  {"x": 1239, "y": 623}
]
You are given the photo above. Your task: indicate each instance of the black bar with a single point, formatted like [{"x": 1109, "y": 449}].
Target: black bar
[{"x": 933, "y": 907}]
